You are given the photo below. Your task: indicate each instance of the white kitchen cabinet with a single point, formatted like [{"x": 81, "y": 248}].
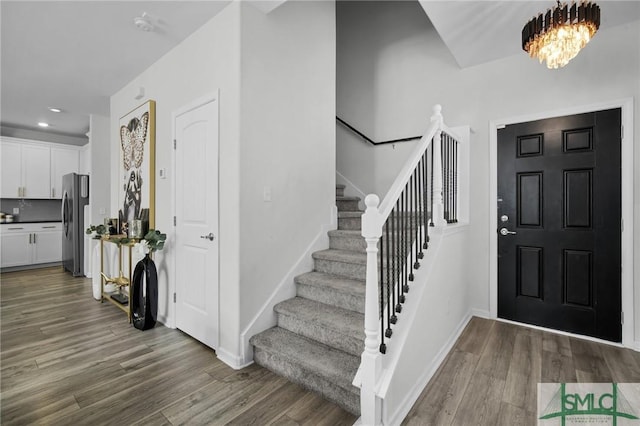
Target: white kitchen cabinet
[
  {"x": 36, "y": 171},
  {"x": 30, "y": 243},
  {"x": 26, "y": 170},
  {"x": 16, "y": 248},
  {"x": 33, "y": 169},
  {"x": 63, "y": 161},
  {"x": 11, "y": 170}
]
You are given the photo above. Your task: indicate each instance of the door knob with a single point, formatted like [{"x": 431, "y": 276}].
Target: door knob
[
  {"x": 209, "y": 237},
  {"x": 505, "y": 231}
]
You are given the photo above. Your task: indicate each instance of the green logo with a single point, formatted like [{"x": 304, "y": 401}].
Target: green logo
[{"x": 588, "y": 403}]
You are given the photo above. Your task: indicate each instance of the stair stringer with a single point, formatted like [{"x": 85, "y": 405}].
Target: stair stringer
[
  {"x": 402, "y": 375},
  {"x": 286, "y": 289}
]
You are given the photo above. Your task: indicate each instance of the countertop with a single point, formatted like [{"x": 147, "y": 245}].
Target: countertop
[{"x": 30, "y": 221}]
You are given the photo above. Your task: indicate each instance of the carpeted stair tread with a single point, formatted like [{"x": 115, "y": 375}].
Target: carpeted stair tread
[
  {"x": 317, "y": 314},
  {"x": 346, "y": 233},
  {"x": 344, "y": 256},
  {"x": 331, "y": 289},
  {"x": 340, "y": 186},
  {"x": 348, "y": 214},
  {"x": 310, "y": 364},
  {"x": 352, "y": 240}
]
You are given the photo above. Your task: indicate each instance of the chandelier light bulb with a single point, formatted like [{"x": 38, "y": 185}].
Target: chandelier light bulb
[{"x": 558, "y": 36}]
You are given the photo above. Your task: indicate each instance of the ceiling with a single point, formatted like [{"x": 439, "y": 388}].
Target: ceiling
[
  {"x": 74, "y": 55},
  {"x": 482, "y": 31}
]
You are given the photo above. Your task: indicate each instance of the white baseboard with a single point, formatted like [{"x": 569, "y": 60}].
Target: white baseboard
[
  {"x": 427, "y": 373},
  {"x": 286, "y": 289},
  {"x": 235, "y": 362},
  {"x": 481, "y": 313}
]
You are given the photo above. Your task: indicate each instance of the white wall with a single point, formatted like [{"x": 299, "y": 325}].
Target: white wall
[
  {"x": 391, "y": 50},
  {"x": 276, "y": 75},
  {"x": 287, "y": 143},
  {"x": 100, "y": 168},
  {"x": 433, "y": 327},
  {"x": 207, "y": 60}
]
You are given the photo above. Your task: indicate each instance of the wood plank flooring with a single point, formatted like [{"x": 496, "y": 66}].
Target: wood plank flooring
[
  {"x": 490, "y": 377},
  {"x": 67, "y": 359}
]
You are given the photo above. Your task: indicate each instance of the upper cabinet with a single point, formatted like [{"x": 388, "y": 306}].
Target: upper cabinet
[
  {"x": 11, "y": 170},
  {"x": 34, "y": 169},
  {"x": 63, "y": 161}
]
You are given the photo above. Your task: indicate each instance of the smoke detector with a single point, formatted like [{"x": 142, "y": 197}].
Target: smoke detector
[{"x": 143, "y": 22}]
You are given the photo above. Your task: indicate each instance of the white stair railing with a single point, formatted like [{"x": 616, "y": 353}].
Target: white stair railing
[{"x": 396, "y": 231}]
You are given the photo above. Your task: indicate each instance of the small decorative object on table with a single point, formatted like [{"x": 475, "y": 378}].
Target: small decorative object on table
[
  {"x": 144, "y": 306},
  {"x": 97, "y": 231}
]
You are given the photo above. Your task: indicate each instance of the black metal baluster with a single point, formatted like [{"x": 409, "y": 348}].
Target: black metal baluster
[
  {"x": 447, "y": 207},
  {"x": 420, "y": 205},
  {"x": 425, "y": 178},
  {"x": 409, "y": 214},
  {"x": 391, "y": 265},
  {"x": 431, "y": 189},
  {"x": 414, "y": 218},
  {"x": 389, "y": 278},
  {"x": 403, "y": 237},
  {"x": 383, "y": 347},
  {"x": 400, "y": 261},
  {"x": 452, "y": 171},
  {"x": 455, "y": 181}
]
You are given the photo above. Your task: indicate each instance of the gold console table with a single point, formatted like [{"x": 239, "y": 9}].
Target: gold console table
[{"x": 120, "y": 281}]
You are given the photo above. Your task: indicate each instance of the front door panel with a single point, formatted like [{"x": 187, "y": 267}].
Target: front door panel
[{"x": 559, "y": 253}]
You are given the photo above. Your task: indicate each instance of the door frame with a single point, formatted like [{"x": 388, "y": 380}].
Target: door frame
[
  {"x": 627, "y": 189},
  {"x": 196, "y": 103}
]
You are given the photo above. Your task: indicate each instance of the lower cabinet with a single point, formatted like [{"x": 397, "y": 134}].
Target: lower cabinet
[{"x": 30, "y": 243}]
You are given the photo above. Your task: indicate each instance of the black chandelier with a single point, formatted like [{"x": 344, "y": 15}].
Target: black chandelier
[{"x": 558, "y": 35}]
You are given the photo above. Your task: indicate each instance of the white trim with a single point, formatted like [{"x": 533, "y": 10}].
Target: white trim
[
  {"x": 232, "y": 360},
  {"x": 627, "y": 289},
  {"x": 350, "y": 186},
  {"x": 209, "y": 97},
  {"x": 266, "y": 318},
  {"x": 480, "y": 313},
  {"x": 428, "y": 373}
]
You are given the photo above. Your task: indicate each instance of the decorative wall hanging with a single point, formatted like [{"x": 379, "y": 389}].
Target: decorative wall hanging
[{"x": 137, "y": 166}]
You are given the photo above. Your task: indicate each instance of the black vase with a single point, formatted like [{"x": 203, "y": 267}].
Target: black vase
[{"x": 144, "y": 302}]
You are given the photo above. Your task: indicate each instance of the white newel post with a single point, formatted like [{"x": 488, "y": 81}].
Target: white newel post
[
  {"x": 370, "y": 404},
  {"x": 438, "y": 202}
]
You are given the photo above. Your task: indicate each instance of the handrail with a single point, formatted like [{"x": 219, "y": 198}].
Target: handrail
[
  {"x": 372, "y": 142},
  {"x": 396, "y": 189},
  {"x": 396, "y": 232}
]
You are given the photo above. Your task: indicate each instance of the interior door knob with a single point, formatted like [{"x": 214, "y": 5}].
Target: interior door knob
[
  {"x": 505, "y": 231},
  {"x": 209, "y": 237}
]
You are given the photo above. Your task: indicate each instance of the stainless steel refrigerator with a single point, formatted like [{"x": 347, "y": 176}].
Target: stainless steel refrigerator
[{"x": 75, "y": 195}]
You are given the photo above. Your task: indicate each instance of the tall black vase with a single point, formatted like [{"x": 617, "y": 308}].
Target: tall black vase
[{"x": 144, "y": 302}]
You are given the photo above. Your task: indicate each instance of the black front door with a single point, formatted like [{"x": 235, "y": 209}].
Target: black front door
[{"x": 559, "y": 223}]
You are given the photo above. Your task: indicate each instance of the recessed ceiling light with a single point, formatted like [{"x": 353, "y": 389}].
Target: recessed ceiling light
[
  {"x": 43, "y": 124},
  {"x": 55, "y": 109}
]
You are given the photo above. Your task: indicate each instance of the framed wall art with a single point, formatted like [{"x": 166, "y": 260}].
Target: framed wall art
[{"x": 137, "y": 135}]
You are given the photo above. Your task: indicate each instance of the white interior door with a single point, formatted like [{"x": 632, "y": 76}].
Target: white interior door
[{"x": 197, "y": 223}]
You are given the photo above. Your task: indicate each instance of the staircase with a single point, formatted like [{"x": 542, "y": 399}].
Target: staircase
[{"x": 320, "y": 333}]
